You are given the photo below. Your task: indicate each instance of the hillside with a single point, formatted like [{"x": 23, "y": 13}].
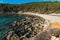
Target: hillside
[{"x": 41, "y": 7}]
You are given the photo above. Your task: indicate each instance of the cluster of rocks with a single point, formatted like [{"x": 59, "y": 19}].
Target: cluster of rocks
[
  {"x": 25, "y": 27},
  {"x": 30, "y": 28}
]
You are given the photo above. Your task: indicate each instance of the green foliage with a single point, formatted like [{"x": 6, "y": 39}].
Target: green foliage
[{"x": 41, "y": 7}]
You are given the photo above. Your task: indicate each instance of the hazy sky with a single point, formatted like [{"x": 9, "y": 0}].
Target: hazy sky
[{"x": 23, "y": 1}]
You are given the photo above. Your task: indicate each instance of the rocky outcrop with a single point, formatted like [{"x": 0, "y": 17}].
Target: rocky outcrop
[
  {"x": 25, "y": 27},
  {"x": 29, "y": 28}
]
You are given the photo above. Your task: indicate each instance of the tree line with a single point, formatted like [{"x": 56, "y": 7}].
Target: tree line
[{"x": 41, "y": 7}]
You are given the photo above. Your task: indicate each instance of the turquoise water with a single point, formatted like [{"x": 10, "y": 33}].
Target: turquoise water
[{"x": 5, "y": 22}]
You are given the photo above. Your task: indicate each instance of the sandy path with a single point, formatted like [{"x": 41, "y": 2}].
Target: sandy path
[{"x": 54, "y": 20}]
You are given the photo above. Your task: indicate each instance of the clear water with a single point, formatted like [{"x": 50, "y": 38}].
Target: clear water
[{"x": 4, "y": 24}]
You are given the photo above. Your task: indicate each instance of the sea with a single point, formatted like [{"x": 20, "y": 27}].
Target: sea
[{"x": 5, "y": 23}]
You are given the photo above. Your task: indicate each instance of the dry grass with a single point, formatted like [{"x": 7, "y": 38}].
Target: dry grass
[{"x": 55, "y": 25}]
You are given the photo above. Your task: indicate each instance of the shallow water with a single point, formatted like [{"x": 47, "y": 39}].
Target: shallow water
[{"x": 5, "y": 21}]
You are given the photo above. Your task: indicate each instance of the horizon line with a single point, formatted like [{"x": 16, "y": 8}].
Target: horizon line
[{"x": 27, "y": 2}]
